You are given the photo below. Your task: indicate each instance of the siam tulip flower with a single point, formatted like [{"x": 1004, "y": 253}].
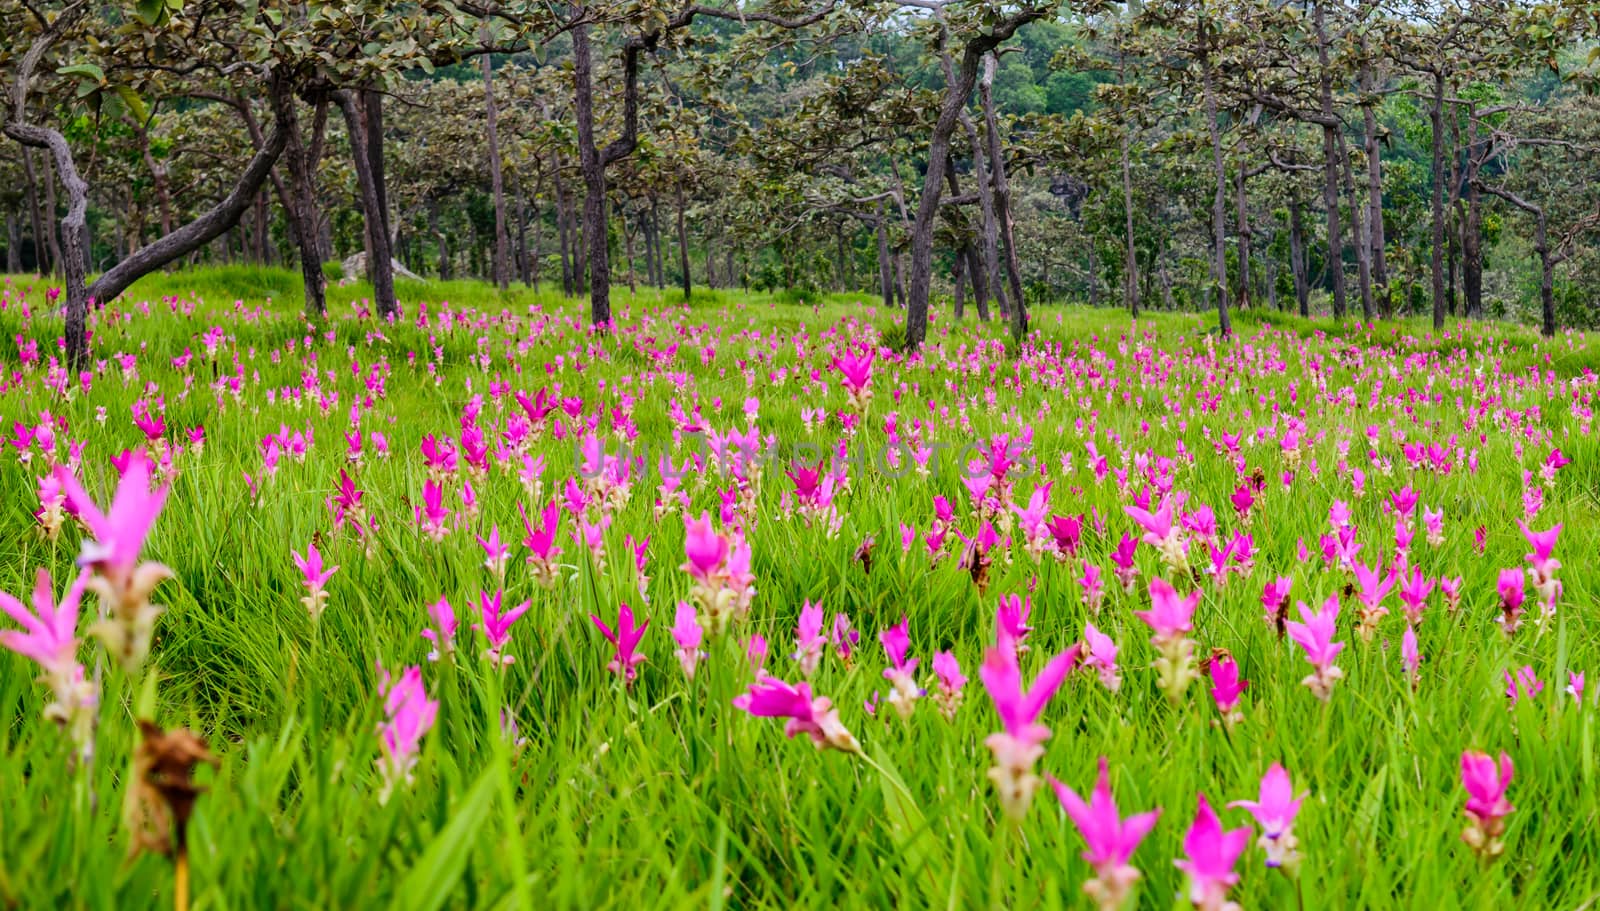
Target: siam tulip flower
[
  {"x": 1315, "y": 635},
  {"x": 1486, "y": 782},
  {"x": 1211, "y": 856},
  {"x": 443, "y": 633},
  {"x": 1018, "y": 747},
  {"x": 315, "y": 578},
  {"x": 951, "y": 680},
  {"x": 686, "y": 632},
  {"x": 49, "y": 637},
  {"x": 1100, "y": 655},
  {"x": 1433, "y": 522},
  {"x": 1575, "y": 686},
  {"x": 770, "y": 697},
  {"x": 1275, "y": 811},
  {"x": 901, "y": 673},
  {"x": 1544, "y": 566},
  {"x": 1275, "y": 598},
  {"x": 495, "y": 554},
  {"x": 1512, "y": 595},
  {"x": 1373, "y": 588},
  {"x": 1111, "y": 840},
  {"x": 720, "y": 568},
  {"x": 495, "y": 624},
  {"x": 121, "y": 582},
  {"x": 1414, "y": 595},
  {"x": 1242, "y": 500},
  {"x": 1226, "y": 688},
  {"x": 409, "y": 714},
  {"x": 810, "y": 640},
  {"x": 1162, "y": 534},
  {"x": 855, "y": 374},
  {"x": 625, "y": 639},
  {"x": 755, "y": 653},
  {"x": 1067, "y": 532},
  {"x": 1526, "y": 684},
  {"x": 1122, "y": 559},
  {"x": 1031, "y": 520},
  {"x": 1094, "y": 591},
  {"x": 1409, "y": 657},
  {"x": 433, "y": 513},
  {"x": 843, "y": 637},
  {"x": 1451, "y": 590},
  {"x": 1011, "y": 623},
  {"x": 541, "y": 542},
  {"x": 1479, "y": 539},
  {"x": 1171, "y": 617}
]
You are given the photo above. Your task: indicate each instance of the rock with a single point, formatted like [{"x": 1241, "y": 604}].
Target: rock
[{"x": 356, "y": 267}]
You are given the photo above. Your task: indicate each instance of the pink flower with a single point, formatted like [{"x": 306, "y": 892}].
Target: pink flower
[
  {"x": 1410, "y": 659},
  {"x": 1575, "y": 686},
  {"x": 119, "y": 533},
  {"x": 1275, "y": 811},
  {"x": 625, "y": 639},
  {"x": 844, "y": 638},
  {"x": 901, "y": 672},
  {"x": 496, "y": 626},
  {"x": 1414, "y": 594},
  {"x": 409, "y": 714},
  {"x": 1526, "y": 684},
  {"x": 49, "y": 632},
  {"x": 1020, "y": 744},
  {"x": 315, "y": 578},
  {"x": 810, "y": 640},
  {"x": 706, "y": 549},
  {"x": 951, "y": 680},
  {"x": 443, "y": 634},
  {"x": 541, "y": 541},
  {"x": 1374, "y": 587},
  {"x": 1011, "y": 623},
  {"x": 770, "y": 697},
  {"x": 1543, "y": 544},
  {"x": 1169, "y": 616},
  {"x": 1227, "y": 686},
  {"x": 1093, "y": 587},
  {"x": 1512, "y": 595},
  {"x": 1315, "y": 635},
  {"x": 1486, "y": 782},
  {"x": 1110, "y": 839},
  {"x": 1211, "y": 855},
  {"x": 495, "y": 553},
  {"x": 1122, "y": 559},
  {"x": 431, "y": 515},
  {"x": 1275, "y": 598},
  {"x": 1101, "y": 656},
  {"x": 688, "y": 634},
  {"x": 855, "y": 370}
]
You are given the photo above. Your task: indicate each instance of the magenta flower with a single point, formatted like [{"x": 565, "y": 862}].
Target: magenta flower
[
  {"x": 1020, "y": 744},
  {"x": 625, "y": 639},
  {"x": 1275, "y": 599},
  {"x": 770, "y": 697},
  {"x": 1067, "y": 532},
  {"x": 755, "y": 653},
  {"x": 541, "y": 542},
  {"x": 1410, "y": 658},
  {"x": 1094, "y": 590},
  {"x": 1226, "y": 688},
  {"x": 901, "y": 672},
  {"x": 1543, "y": 544},
  {"x": 855, "y": 373},
  {"x": 495, "y": 553},
  {"x": 1414, "y": 595},
  {"x": 1110, "y": 839},
  {"x": 688, "y": 634},
  {"x": 1512, "y": 595},
  {"x": 1211, "y": 855},
  {"x": 951, "y": 680},
  {"x": 1275, "y": 811},
  {"x": 1161, "y": 533},
  {"x": 496, "y": 626},
  {"x": 1315, "y": 635},
  {"x": 1451, "y": 590},
  {"x": 1100, "y": 654},
  {"x": 706, "y": 550},
  {"x": 1525, "y": 685},
  {"x": 49, "y": 632},
  {"x": 1373, "y": 587},
  {"x": 1011, "y": 623},
  {"x": 1122, "y": 561},
  {"x": 1486, "y": 782},
  {"x": 443, "y": 634},
  {"x": 431, "y": 515},
  {"x": 315, "y": 578},
  {"x": 810, "y": 640},
  {"x": 844, "y": 638},
  {"x": 1170, "y": 616},
  {"x": 1575, "y": 686},
  {"x": 409, "y": 714}
]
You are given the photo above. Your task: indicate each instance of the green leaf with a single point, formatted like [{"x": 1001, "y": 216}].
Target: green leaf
[
  {"x": 86, "y": 70},
  {"x": 429, "y": 884},
  {"x": 134, "y": 104},
  {"x": 152, "y": 12}
]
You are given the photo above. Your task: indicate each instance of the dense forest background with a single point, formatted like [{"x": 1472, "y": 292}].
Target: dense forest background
[{"x": 1347, "y": 158}]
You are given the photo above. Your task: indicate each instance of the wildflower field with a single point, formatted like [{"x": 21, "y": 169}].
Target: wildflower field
[{"x": 739, "y": 607}]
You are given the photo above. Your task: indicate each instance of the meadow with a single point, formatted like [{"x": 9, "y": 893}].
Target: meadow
[{"x": 739, "y": 607}]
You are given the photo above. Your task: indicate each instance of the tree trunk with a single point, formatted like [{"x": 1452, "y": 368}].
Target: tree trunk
[
  {"x": 627, "y": 245},
  {"x": 727, "y": 262},
  {"x": 683, "y": 246},
  {"x": 988, "y": 230},
  {"x": 372, "y": 109},
  {"x": 13, "y": 244},
  {"x": 380, "y": 267},
  {"x": 959, "y": 279},
  {"x": 439, "y": 240},
  {"x": 1331, "y": 144},
  {"x": 1002, "y": 203},
  {"x": 1436, "y": 255},
  {"x": 1297, "y": 257},
  {"x": 31, "y": 184},
  {"x": 1219, "y": 196},
  {"x": 1242, "y": 217},
  {"x": 1358, "y": 235},
  {"x": 1130, "y": 268},
  {"x": 54, "y": 227},
  {"x": 491, "y": 132},
  {"x": 1472, "y": 226},
  {"x": 593, "y": 165},
  {"x": 1547, "y": 297},
  {"x": 563, "y": 225},
  {"x": 1375, "y": 229},
  {"x": 302, "y": 202}
]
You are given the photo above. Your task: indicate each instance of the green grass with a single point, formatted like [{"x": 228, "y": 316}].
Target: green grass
[{"x": 663, "y": 795}]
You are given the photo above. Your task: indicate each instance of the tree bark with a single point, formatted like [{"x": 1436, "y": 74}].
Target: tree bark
[
  {"x": 1375, "y": 229},
  {"x": 1219, "y": 196},
  {"x": 54, "y": 226},
  {"x": 302, "y": 202},
  {"x": 380, "y": 267},
  {"x": 31, "y": 184},
  {"x": 1358, "y": 235},
  {"x": 1002, "y": 202},
  {"x": 372, "y": 111},
  {"x": 13, "y": 244},
  {"x": 627, "y": 246},
  {"x": 1436, "y": 255},
  {"x": 1130, "y": 268},
  {"x": 502, "y": 271},
  {"x": 1297, "y": 256},
  {"x": 959, "y": 280},
  {"x": 1331, "y": 145},
  {"x": 683, "y": 245}
]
